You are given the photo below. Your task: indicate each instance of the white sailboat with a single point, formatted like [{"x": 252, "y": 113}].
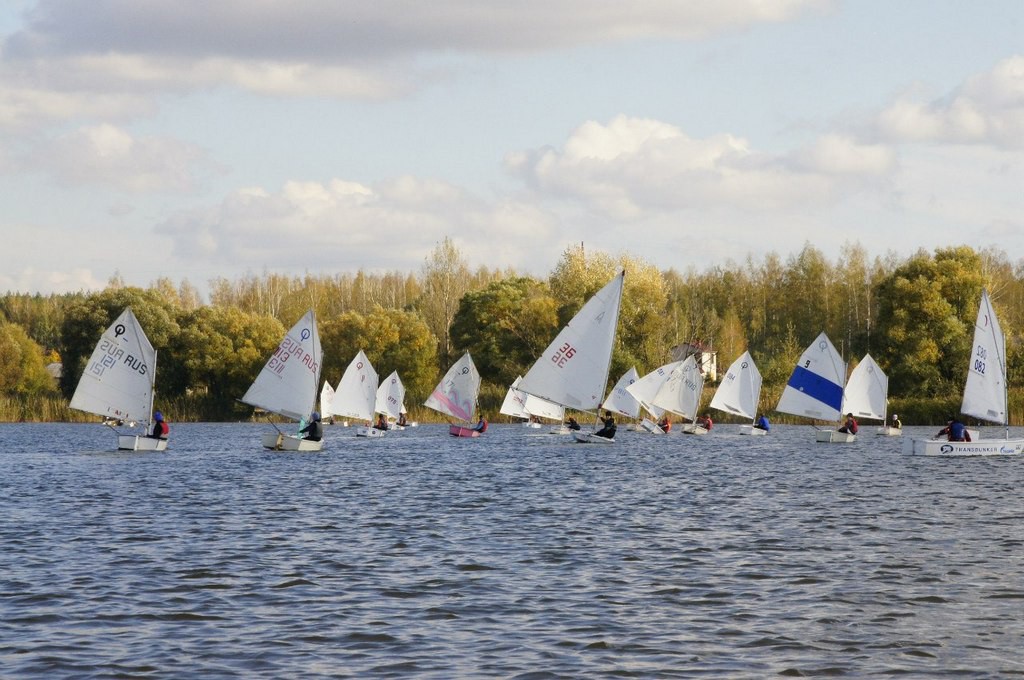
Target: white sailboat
[
  {"x": 514, "y": 404},
  {"x": 573, "y": 370},
  {"x": 680, "y": 394},
  {"x": 866, "y": 394},
  {"x": 985, "y": 394},
  {"x": 119, "y": 380},
  {"x": 389, "y": 399},
  {"x": 326, "y": 397},
  {"x": 287, "y": 385},
  {"x": 815, "y": 388},
  {"x": 739, "y": 391},
  {"x": 620, "y": 400},
  {"x": 356, "y": 395},
  {"x": 456, "y": 394},
  {"x": 646, "y": 388}
]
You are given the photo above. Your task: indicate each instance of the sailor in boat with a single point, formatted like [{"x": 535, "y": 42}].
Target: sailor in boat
[
  {"x": 762, "y": 423},
  {"x": 665, "y": 424},
  {"x": 954, "y": 431},
  {"x": 315, "y": 430},
  {"x": 572, "y": 424},
  {"x": 608, "y": 431},
  {"x": 705, "y": 421},
  {"x": 160, "y": 427},
  {"x": 850, "y": 426},
  {"x": 382, "y": 423},
  {"x": 402, "y": 420},
  {"x": 896, "y": 422},
  {"x": 481, "y": 425}
]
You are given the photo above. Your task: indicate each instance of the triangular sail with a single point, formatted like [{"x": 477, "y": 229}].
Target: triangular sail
[
  {"x": 985, "y": 390},
  {"x": 287, "y": 384},
  {"x": 326, "y": 398},
  {"x": 542, "y": 408},
  {"x": 866, "y": 390},
  {"x": 646, "y": 388},
  {"x": 740, "y": 388},
  {"x": 515, "y": 401},
  {"x": 680, "y": 394},
  {"x": 118, "y": 379},
  {"x": 573, "y": 370},
  {"x": 390, "y": 396},
  {"x": 456, "y": 394},
  {"x": 619, "y": 400},
  {"x": 815, "y": 389},
  {"x": 356, "y": 395}
]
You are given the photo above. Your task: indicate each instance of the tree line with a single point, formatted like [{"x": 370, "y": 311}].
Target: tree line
[{"x": 914, "y": 315}]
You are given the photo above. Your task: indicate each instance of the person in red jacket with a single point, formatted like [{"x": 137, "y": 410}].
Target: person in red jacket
[
  {"x": 160, "y": 428},
  {"x": 850, "y": 426}
]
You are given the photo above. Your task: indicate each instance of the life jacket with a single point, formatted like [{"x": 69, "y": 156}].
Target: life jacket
[
  {"x": 164, "y": 429},
  {"x": 958, "y": 432}
]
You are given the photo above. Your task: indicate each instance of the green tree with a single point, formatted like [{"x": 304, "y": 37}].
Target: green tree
[
  {"x": 444, "y": 280},
  {"x": 22, "y": 364}
]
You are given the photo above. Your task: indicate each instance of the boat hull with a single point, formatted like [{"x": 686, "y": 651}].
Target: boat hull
[
  {"x": 889, "y": 431},
  {"x": 278, "y": 441},
  {"x": 753, "y": 431},
  {"x": 834, "y": 437},
  {"x": 694, "y": 429},
  {"x": 459, "y": 431},
  {"x": 592, "y": 438},
  {"x": 981, "y": 447},
  {"x": 132, "y": 442},
  {"x": 369, "y": 432},
  {"x": 648, "y": 425}
]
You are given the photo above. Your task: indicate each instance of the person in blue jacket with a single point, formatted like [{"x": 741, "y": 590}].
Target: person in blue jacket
[
  {"x": 954, "y": 431},
  {"x": 762, "y": 423}
]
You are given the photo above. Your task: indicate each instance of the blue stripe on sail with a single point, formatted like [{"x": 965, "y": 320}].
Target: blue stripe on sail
[{"x": 817, "y": 387}]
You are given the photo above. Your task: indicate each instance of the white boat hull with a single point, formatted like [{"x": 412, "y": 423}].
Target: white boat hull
[
  {"x": 751, "y": 430},
  {"x": 132, "y": 442},
  {"x": 694, "y": 429},
  {"x": 889, "y": 431},
  {"x": 532, "y": 426},
  {"x": 369, "y": 432},
  {"x": 834, "y": 437},
  {"x": 592, "y": 438},
  {"x": 983, "y": 447},
  {"x": 648, "y": 425},
  {"x": 278, "y": 441}
]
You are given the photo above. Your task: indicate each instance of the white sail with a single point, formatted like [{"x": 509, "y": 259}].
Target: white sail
[
  {"x": 680, "y": 394},
  {"x": 390, "y": 396},
  {"x": 515, "y": 401},
  {"x": 287, "y": 384},
  {"x": 356, "y": 395},
  {"x": 619, "y": 399},
  {"x": 573, "y": 370},
  {"x": 866, "y": 391},
  {"x": 645, "y": 389},
  {"x": 740, "y": 388},
  {"x": 815, "y": 389},
  {"x": 542, "y": 408},
  {"x": 456, "y": 394},
  {"x": 119, "y": 377},
  {"x": 985, "y": 389},
  {"x": 326, "y": 399}
]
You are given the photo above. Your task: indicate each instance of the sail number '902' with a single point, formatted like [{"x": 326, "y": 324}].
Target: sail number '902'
[
  {"x": 980, "y": 355},
  {"x": 563, "y": 354}
]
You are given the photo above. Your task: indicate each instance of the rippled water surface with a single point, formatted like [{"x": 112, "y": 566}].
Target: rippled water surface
[{"x": 514, "y": 555}]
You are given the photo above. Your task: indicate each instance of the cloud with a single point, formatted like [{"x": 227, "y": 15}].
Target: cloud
[
  {"x": 631, "y": 168},
  {"x": 987, "y": 108},
  {"x": 106, "y": 155},
  {"x": 51, "y": 281}
]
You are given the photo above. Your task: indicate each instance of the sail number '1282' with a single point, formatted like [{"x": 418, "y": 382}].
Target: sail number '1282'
[{"x": 564, "y": 353}]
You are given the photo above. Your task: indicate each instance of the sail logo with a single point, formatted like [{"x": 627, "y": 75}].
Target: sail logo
[
  {"x": 563, "y": 354},
  {"x": 290, "y": 348},
  {"x": 112, "y": 355}
]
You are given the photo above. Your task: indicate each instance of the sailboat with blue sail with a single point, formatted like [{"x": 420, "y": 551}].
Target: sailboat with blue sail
[{"x": 815, "y": 388}]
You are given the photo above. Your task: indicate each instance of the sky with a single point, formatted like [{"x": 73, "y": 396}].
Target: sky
[{"x": 191, "y": 140}]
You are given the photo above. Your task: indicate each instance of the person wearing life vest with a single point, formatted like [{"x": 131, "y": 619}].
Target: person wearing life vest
[
  {"x": 160, "y": 428},
  {"x": 705, "y": 421},
  {"x": 955, "y": 431},
  {"x": 762, "y": 423},
  {"x": 481, "y": 425},
  {"x": 896, "y": 422},
  {"x": 665, "y": 424},
  {"x": 314, "y": 432},
  {"x": 850, "y": 426}
]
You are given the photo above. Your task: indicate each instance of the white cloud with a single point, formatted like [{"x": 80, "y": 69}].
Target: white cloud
[
  {"x": 51, "y": 281},
  {"x": 111, "y": 156},
  {"x": 987, "y": 109}
]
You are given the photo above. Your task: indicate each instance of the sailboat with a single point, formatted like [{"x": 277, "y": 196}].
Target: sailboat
[
  {"x": 985, "y": 394},
  {"x": 514, "y": 404},
  {"x": 356, "y": 395},
  {"x": 326, "y": 397},
  {"x": 287, "y": 385},
  {"x": 681, "y": 394},
  {"x": 119, "y": 380},
  {"x": 866, "y": 394},
  {"x": 456, "y": 394},
  {"x": 739, "y": 391},
  {"x": 646, "y": 388},
  {"x": 390, "y": 395},
  {"x": 815, "y": 388},
  {"x": 573, "y": 370},
  {"x": 620, "y": 400}
]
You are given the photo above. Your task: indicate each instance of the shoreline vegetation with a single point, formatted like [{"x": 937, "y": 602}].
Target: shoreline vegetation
[{"x": 914, "y": 315}]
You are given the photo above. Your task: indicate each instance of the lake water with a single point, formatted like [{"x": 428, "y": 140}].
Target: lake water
[{"x": 512, "y": 556}]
